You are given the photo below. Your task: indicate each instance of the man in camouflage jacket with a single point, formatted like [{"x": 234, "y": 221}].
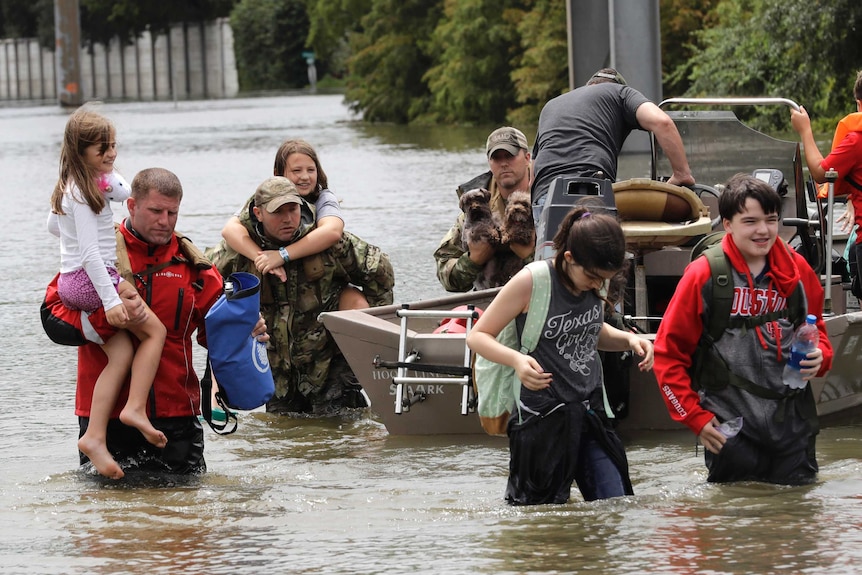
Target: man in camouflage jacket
[
  {"x": 459, "y": 269},
  {"x": 311, "y": 374}
]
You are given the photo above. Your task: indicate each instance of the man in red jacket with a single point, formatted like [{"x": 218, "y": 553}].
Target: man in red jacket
[
  {"x": 740, "y": 373},
  {"x": 179, "y": 290},
  {"x": 846, "y": 159}
]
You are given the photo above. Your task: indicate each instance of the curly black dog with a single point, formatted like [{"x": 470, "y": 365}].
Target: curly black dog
[{"x": 479, "y": 224}]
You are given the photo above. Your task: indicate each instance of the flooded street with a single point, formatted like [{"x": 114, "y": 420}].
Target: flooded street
[{"x": 341, "y": 495}]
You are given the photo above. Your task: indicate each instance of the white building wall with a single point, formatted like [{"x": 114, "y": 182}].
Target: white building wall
[{"x": 144, "y": 70}]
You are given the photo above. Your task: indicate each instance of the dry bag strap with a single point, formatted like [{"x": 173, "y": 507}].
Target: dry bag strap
[{"x": 206, "y": 405}]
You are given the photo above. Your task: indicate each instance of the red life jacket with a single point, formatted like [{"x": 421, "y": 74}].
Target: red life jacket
[{"x": 455, "y": 324}]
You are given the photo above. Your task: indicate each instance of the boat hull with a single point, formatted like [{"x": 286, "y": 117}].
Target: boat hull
[
  {"x": 366, "y": 335},
  {"x": 663, "y": 224}
]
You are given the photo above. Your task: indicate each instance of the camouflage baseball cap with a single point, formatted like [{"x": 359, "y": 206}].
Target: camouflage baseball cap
[
  {"x": 506, "y": 138},
  {"x": 274, "y": 192},
  {"x": 607, "y": 74}
]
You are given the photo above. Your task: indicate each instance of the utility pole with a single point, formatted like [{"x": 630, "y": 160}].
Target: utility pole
[
  {"x": 67, "y": 33},
  {"x": 621, "y": 34}
]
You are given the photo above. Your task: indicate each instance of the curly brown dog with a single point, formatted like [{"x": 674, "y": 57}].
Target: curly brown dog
[
  {"x": 478, "y": 222},
  {"x": 518, "y": 226}
]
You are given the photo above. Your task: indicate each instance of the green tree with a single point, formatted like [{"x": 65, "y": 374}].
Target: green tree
[
  {"x": 799, "y": 49},
  {"x": 22, "y": 19},
  {"x": 541, "y": 71},
  {"x": 269, "y": 38},
  {"x": 331, "y": 23},
  {"x": 680, "y": 20},
  {"x": 389, "y": 58},
  {"x": 104, "y": 20},
  {"x": 474, "y": 47}
]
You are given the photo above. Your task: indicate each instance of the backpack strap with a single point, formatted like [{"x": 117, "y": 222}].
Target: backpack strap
[
  {"x": 722, "y": 292},
  {"x": 853, "y": 183},
  {"x": 708, "y": 369},
  {"x": 192, "y": 256},
  {"x": 540, "y": 300},
  {"x": 722, "y": 300},
  {"x": 124, "y": 266}
]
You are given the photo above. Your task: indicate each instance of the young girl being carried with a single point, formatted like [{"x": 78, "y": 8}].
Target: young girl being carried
[
  {"x": 81, "y": 215},
  {"x": 297, "y": 161},
  {"x": 559, "y": 432}
]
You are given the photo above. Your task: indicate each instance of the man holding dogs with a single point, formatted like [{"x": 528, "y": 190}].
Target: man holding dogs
[{"x": 489, "y": 241}]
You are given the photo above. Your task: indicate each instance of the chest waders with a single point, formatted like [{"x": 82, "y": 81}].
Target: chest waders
[{"x": 709, "y": 371}]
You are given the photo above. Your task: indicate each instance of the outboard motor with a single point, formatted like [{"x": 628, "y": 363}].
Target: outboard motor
[{"x": 563, "y": 194}]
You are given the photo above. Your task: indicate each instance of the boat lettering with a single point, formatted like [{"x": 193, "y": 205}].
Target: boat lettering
[
  {"x": 426, "y": 389},
  {"x": 379, "y": 374},
  {"x": 674, "y": 401}
]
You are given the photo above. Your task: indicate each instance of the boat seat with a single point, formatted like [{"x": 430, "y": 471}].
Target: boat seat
[{"x": 656, "y": 214}]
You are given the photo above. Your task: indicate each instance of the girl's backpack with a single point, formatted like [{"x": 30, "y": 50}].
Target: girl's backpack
[{"x": 496, "y": 384}]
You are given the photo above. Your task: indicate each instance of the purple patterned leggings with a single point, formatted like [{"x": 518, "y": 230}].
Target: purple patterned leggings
[{"x": 76, "y": 291}]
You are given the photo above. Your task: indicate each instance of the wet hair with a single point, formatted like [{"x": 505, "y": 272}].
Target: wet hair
[
  {"x": 606, "y": 76},
  {"x": 83, "y": 129},
  {"x": 161, "y": 180},
  {"x": 595, "y": 240},
  {"x": 741, "y": 187},
  {"x": 289, "y": 147},
  {"x": 857, "y": 88}
]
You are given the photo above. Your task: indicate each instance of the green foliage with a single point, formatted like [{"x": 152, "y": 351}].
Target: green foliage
[
  {"x": 478, "y": 61},
  {"x": 541, "y": 72},
  {"x": 104, "y": 20},
  {"x": 473, "y": 47},
  {"x": 805, "y": 50},
  {"x": 269, "y": 38},
  {"x": 389, "y": 58},
  {"x": 680, "y": 20},
  {"x": 17, "y": 19},
  {"x": 22, "y": 19},
  {"x": 331, "y": 24}
]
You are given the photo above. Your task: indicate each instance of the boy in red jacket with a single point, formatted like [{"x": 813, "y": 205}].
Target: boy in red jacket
[{"x": 744, "y": 364}]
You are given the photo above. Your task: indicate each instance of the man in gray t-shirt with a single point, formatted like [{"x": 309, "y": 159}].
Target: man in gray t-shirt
[{"x": 582, "y": 132}]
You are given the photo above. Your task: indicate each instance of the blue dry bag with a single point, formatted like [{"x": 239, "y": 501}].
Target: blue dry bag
[{"x": 239, "y": 362}]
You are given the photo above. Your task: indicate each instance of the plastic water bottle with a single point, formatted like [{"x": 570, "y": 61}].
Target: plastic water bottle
[
  {"x": 805, "y": 340},
  {"x": 730, "y": 427}
]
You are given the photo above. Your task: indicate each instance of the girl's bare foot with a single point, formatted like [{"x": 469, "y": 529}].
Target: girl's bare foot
[
  {"x": 100, "y": 457},
  {"x": 141, "y": 422}
]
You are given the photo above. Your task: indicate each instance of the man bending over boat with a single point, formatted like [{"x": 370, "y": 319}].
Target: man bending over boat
[
  {"x": 460, "y": 269},
  {"x": 582, "y": 132},
  {"x": 311, "y": 375}
]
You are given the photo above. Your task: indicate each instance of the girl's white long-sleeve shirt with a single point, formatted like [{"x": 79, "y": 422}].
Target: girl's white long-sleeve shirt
[{"x": 87, "y": 239}]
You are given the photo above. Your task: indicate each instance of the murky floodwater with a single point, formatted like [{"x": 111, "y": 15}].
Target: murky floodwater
[{"x": 342, "y": 496}]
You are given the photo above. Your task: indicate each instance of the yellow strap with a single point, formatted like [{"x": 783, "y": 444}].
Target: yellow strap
[
  {"x": 188, "y": 249},
  {"x": 124, "y": 266}
]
